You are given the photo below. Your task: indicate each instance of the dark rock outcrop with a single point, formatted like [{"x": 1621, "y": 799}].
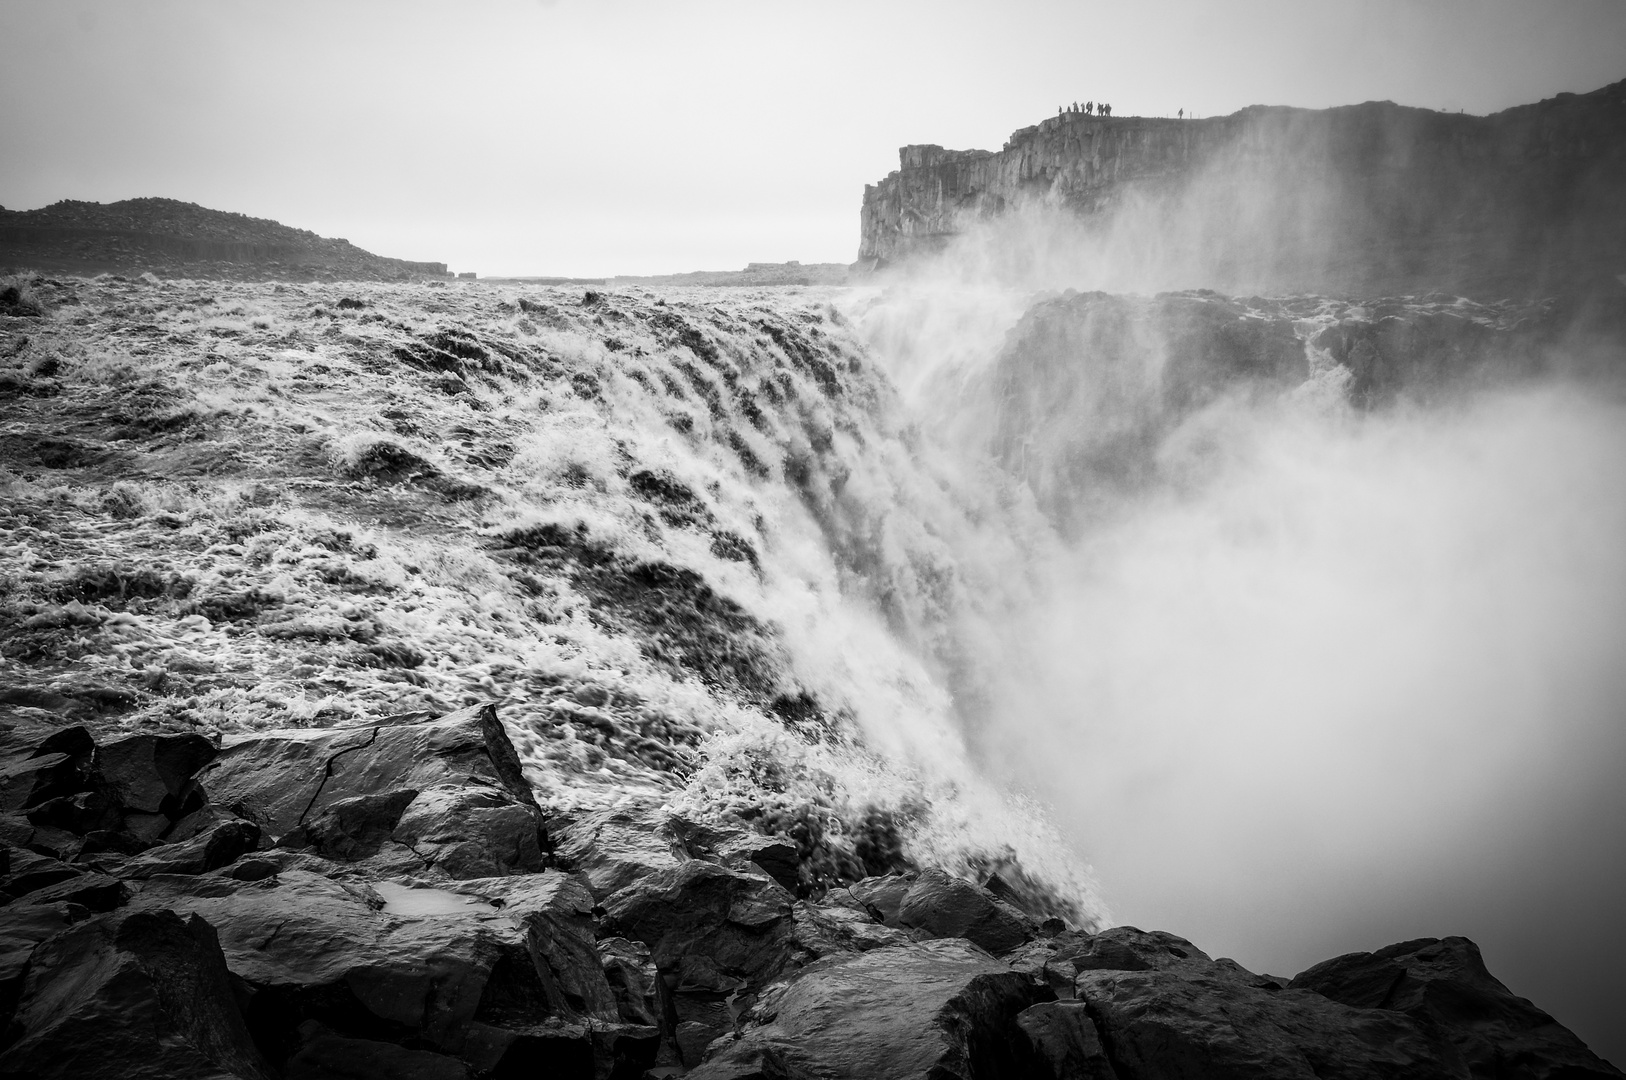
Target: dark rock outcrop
[
  {"x": 1443, "y": 984},
  {"x": 1088, "y": 387}
]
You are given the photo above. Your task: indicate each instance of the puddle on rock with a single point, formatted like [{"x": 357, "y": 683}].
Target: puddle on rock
[{"x": 405, "y": 901}]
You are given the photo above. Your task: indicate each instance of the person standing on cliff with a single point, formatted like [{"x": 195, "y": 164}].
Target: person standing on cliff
[
  {"x": 1089, "y": 107},
  {"x": 1181, "y": 114}
]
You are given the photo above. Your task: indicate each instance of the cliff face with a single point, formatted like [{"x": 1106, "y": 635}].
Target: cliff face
[
  {"x": 180, "y": 239},
  {"x": 1359, "y": 199}
]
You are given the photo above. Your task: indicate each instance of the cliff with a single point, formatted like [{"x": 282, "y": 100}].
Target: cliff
[
  {"x": 178, "y": 239},
  {"x": 1361, "y": 199}
]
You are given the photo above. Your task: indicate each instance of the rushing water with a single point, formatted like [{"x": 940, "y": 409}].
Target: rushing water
[{"x": 1296, "y": 676}]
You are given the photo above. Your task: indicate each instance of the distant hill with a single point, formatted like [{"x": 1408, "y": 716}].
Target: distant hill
[
  {"x": 179, "y": 239},
  {"x": 757, "y": 273}
]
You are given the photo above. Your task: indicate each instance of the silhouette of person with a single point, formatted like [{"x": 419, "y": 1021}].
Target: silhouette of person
[
  {"x": 1089, "y": 107},
  {"x": 1182, "y": 114},
  {"x": 1108, "y": 108}
]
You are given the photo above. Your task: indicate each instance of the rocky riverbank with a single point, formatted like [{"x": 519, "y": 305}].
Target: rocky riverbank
[{"x": 388, "y": 900}]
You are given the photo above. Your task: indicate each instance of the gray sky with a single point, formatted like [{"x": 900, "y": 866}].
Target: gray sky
[{"x": 649, "y": 136}]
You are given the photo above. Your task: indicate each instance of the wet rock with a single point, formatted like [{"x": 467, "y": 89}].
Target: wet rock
[
  {"x": 324, "y": 1055},
  {"x": 314, "y": 948},
  {"x": 554, "y": 1048},
  {"x": 1443, "y": 983},
  {"x": 286, "y": 779},
  {"x": 940, "y": 1009},
  {"x": 1164, "y": 1009},
  {"x": 355, "y": 828},
  {"x": 150, "y": 773},
  {"x": 615, "y": 848},
  {"x": 713, "y": 933},
  {"x": 221, "y": 845},
  {"x": 823, "y": 930},
  {"x": 22, "y": 928},
  {"x": 83, "y": 812},
  {"x": 28, "y": 781},
  {"x": 134, "y": 994},
  {"x": 947, "y": 906},
  {"x": 633, "y": 979},
  {"x": 737, "y": 848},
  {"x": 740, "y": 922},
  {"x": 29, "y": 871},
  {"x": 408, "y": 965},
  {"x": 882, "y": 896},
  {"x": 22, "y": 739},
  {"x": 94, "y": 891},
  {"x": 556, "y": 913},
  {"x": 472, "y": 831},
  {"x": 1065, "y": 1041}
]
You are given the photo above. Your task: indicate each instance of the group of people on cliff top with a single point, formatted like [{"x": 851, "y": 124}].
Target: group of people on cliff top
[{"x": 1089, "y": 108}]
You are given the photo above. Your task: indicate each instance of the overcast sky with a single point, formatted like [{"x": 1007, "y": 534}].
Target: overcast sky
[{"x": 648, "y": 136}]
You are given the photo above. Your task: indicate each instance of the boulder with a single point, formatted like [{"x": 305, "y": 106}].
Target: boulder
[
  {"x": 714, "y": 934},
  {"x": 1163, "y": 1008},
  {"x": 740, "y": 922},
  {"x": 220, "y": 845},
  {"x": 472, "y": 831},
  {"x": 556, "y": 913},
  {"x": 28, "y": 781},
  {"x": 28, "y": 871},
  {"x": 315, "y": 948},
  {"x": 151, "y": 773},
  {"x": 946, "y": 906},
  {"x": 633, "y": 978},
  {"x": 937, "y": 1009},
  {"x": 738, "y": 848},
  {"x": 93, "y": 891},
  {"x": 1444, "y": 983},
  {"x": 882, "y": 896},
  {"x": 324, "y": 1055},
  {"x": 352, "y": 829},
  {"x": 406, "y": 965},
  {"x": 567, "y": 1051},
  {"x": 615, "y": 848},
  {"x": 1065, "y": 1041},
  {"x": 134, "y": 994},
  {"x": 80, "y": 813},
  {"x": 22, "y": 928},
  {"x": 825, "y": 929},
  {"x": 288, "y": 780}
]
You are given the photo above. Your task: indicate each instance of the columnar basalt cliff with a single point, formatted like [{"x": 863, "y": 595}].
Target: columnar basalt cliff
[{"x": 1362, "y": 199}]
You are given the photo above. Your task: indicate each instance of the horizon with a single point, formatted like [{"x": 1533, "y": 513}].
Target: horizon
[{"x": 520, "y": 141}]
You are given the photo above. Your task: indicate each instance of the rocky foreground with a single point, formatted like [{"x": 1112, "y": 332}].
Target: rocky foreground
[
  {"x": 388, "y": 900},
  {"x": 398, "y": 681}
]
